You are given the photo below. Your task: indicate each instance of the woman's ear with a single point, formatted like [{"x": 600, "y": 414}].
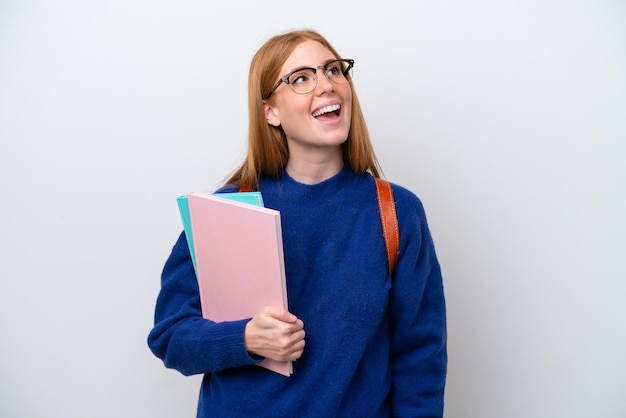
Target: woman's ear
[{"x": 271, "y": 116}]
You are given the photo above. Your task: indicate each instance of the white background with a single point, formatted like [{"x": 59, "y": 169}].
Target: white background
[{"x": 508, "y": 119}]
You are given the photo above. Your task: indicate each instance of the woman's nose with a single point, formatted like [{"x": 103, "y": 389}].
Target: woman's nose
[{"x": 323, "y": 82}]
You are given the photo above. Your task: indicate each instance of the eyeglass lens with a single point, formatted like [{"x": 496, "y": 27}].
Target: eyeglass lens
[{"x": 305, "y": 80}]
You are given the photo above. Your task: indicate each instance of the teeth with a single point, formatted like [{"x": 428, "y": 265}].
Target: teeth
[{"x": 326, "y": 109}]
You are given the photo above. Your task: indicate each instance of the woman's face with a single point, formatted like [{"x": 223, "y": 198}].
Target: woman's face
[{"x": 316, "y": 120}]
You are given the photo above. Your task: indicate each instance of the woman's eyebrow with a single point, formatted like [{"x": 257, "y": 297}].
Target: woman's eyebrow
[{"x": 302, "y": 67}]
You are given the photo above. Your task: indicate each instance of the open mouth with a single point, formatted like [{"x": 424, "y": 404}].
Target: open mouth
[{"x": 331, "y": 111}]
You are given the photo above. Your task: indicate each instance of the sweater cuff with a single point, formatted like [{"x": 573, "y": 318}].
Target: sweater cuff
[{"x": 231, "y": 345}]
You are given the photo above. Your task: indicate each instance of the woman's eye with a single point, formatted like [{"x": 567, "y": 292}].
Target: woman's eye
[
  {"x": 300, "y": 78},
  {"x": 334, "y": 69}
]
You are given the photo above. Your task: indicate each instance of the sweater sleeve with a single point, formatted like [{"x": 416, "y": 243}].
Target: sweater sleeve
[
  {"x": 181, "y": 337},
  {"x": 417, "y": 318}
]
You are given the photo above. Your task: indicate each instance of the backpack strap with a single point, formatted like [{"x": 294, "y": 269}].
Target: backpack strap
[{"x": 389, "y": 221}]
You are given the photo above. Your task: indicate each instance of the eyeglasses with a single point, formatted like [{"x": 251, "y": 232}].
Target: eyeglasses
[{"x": 304, "y": 80}]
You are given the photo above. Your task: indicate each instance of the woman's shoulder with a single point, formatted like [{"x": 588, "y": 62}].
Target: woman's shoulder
[
  {"x": 408, "y": 203},
  {"x": 405, "y": 195}
]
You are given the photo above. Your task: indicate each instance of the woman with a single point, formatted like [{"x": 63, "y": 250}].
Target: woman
[{"x": 365, "y": 344}]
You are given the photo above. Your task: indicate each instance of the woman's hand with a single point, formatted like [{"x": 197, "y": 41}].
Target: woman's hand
[{"x": 275, "y": 334}]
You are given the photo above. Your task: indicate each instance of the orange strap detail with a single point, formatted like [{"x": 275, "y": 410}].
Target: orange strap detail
[
  {"x": 389, "y": 221},
  {"x": 245, "y": 188}
]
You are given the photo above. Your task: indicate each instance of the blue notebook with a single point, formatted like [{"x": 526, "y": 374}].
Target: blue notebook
[{"x": 251, "y": 198}]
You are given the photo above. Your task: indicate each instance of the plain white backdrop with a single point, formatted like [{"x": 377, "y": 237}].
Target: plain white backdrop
[{"x": 508, "y": 119}]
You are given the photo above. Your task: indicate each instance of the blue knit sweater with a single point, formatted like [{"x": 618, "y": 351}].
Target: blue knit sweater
[{"x": 375, "y": 345}]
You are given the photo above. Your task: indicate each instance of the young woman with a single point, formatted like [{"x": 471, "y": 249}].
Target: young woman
[{"x": 365, "y": 344}]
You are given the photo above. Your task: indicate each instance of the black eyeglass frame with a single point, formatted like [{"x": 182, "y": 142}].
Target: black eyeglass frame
[{"x": 324, "y": 67}]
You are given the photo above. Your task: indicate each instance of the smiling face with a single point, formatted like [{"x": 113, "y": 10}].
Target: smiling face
[{"x": 319, "y": 120}]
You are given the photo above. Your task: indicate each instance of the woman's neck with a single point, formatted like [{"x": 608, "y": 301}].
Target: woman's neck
[{"x": 311, "y": 168}]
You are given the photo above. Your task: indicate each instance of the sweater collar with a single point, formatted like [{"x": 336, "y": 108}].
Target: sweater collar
[{"x": 293, "y": 190}]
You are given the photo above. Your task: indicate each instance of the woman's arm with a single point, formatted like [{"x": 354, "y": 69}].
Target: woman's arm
[
  {"x": 417, "y": 318},
  {"x": 181, "y": 337}
]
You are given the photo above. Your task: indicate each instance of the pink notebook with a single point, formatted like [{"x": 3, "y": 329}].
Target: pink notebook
[{"x": 239, "y": 260}]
